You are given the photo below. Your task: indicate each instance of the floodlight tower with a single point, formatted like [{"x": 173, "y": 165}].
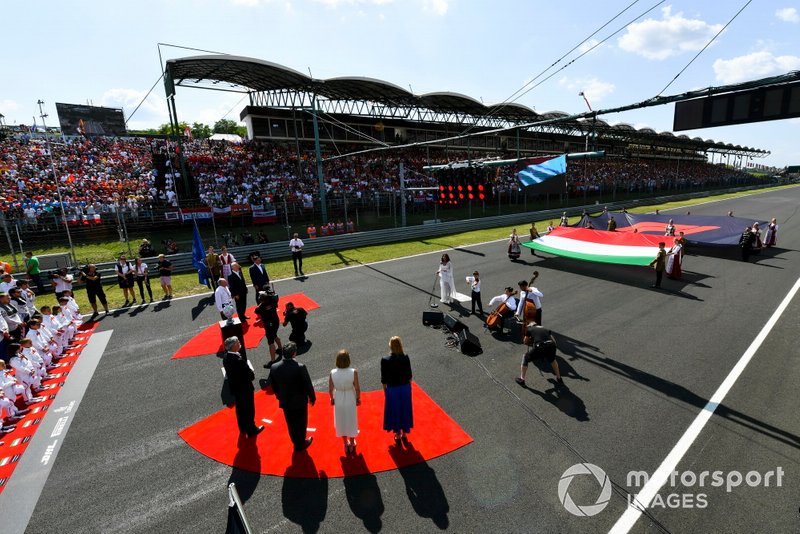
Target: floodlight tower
[
  {"x": 594, "y": 121},
  {"x": 43, "y": 116}
]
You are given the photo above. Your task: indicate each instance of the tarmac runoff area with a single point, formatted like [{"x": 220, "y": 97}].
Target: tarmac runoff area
[{"x": 698, "y": 379}]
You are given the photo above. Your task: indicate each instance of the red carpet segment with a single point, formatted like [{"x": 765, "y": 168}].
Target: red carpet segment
[
  {"x": 208, "y": 341},
  {"x": 13, "y": 444},
  {"x": 271, "y": 452}
]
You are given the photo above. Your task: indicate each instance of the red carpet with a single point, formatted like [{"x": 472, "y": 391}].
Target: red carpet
[
  {"x": 271, "y": 452},
  {"x": 208, "y": 341},
  {"x": 15, "y": 442}
]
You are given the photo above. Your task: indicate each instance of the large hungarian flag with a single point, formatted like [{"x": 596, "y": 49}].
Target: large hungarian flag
[{"x": 625, "y": 248}]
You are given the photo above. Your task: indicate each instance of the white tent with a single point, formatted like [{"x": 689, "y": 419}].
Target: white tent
[{"x": 231, "y": 138}]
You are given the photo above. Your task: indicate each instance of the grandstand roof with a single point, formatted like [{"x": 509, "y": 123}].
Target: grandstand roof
[{"x": 286, "y": 87}]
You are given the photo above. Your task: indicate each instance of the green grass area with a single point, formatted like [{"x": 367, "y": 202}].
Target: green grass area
[{"x": 187, "y": 284}]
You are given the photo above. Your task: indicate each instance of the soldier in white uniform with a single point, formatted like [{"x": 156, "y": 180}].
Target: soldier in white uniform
[
  {"x": 51, "y": 325},
  {"x": 24, "y": 369},
  {"x": 43, "y": 342},
  {"x": 34, "y": 357},
  {"x": 11, "y": 386}
]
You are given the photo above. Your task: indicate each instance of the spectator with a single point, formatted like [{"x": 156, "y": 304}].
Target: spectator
[
  {"x": 125, "y": 276},
  {"x": 33, "y": 271},
  {"x": 165, "y": 273},
  {"x": 142, "y": 278},
  {"x": 94, "y": 288}
]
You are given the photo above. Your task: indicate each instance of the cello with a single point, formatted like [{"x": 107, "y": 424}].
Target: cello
[{"x": 495, "y": 319}]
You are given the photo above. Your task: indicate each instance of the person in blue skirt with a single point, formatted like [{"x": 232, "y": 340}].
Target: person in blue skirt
[{"x": 398, "y": 416}]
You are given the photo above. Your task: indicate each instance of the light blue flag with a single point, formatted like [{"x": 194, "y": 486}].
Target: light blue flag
[{"x": 538, "y": 173}]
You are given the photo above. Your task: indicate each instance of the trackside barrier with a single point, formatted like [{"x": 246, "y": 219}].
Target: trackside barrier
[{"x": 182, "y": 263}]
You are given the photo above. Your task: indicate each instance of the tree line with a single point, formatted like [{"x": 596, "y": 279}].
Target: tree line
[{"x": 198, "y": 129}]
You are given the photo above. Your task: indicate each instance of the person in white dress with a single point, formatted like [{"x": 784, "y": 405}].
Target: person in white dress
[
  {"x": 345, "y": 396},
  {"x": 446, "y": 280}
]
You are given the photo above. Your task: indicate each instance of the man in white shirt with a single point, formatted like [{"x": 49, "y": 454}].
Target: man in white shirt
[
  {"x": 510, "y": 302},
  {"x": 296, "y": 246},
  {"x": 222, "y": 296}
]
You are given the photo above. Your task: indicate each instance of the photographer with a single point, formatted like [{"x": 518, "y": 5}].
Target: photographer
[
  {"x": 146, "y": 249},
  {"x": 297, "y": 318},
  {"x": 541, "y": 344}
]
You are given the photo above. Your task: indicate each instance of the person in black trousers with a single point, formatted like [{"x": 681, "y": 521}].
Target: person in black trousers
[
  {"x": 238, "y": 287},
  {"x": 258, "y": 275},
  {"x": 294, "y": 390},
  {"x": 94, "y": 288},
  {"x": 240, "y": 381}
]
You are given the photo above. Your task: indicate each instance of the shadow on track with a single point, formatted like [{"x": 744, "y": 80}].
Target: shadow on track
[
  {"x": 577, "y": 350},
  {"x": 422, "y": 485},
  {"x": 562, "y": 398},
  {"x": 201, "y": 305},
  {"x": 246, "y": 481},
  {"x": 304, "y": 500},
  {"x": 363, "y": 493}
]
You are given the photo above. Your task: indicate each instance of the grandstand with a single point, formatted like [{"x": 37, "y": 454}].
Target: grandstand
[{"x": 116, "y": 186}]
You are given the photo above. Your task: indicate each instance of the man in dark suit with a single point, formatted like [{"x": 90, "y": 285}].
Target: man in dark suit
[
  {"x": 238, "y": 287},
  {"x": 258, "y": 275},
  {"x": 240, "y": 381},
  {"x": 293, "y": 388}
]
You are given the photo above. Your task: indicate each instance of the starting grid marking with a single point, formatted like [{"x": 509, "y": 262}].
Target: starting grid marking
[
  {"x": 45, "y": 430},
  {"x": 643, "y": 499}
]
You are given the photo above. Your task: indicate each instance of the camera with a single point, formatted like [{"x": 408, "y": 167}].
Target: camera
[{"x": 268, "y": 296}]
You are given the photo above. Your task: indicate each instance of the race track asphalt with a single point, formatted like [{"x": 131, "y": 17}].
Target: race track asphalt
[{"x": 639, "y": 365}]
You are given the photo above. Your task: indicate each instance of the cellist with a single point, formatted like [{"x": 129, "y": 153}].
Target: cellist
[{"x": 506, "y": 306}]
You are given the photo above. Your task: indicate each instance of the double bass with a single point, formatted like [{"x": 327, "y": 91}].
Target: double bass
[
  {"x": 529, "y": 313},
  {"x": 495, "y": 319}
]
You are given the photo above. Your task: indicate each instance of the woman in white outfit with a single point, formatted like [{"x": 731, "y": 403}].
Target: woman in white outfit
[
  {"x": 345, "y": 396},
  {"x": 446, "y": 280}
]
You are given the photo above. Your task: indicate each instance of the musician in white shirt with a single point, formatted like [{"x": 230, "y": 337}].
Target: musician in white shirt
[
  {"x": 510, "y": 302},
  {"x": 532, "y": 294}
]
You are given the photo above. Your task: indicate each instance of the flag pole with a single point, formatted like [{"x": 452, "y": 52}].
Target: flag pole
[{"x": 43, "y": 115}]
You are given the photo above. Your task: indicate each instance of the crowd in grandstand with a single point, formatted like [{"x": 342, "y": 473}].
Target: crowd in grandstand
[{"x": 103, "y": 175}]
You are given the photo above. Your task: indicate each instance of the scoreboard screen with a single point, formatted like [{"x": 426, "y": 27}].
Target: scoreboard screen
[{"x": 739, "y": 107}]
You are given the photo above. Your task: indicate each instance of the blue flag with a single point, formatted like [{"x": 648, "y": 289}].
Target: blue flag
[
  {"x": 542, "y": 169},
  {"x": 199, "y": 256}
]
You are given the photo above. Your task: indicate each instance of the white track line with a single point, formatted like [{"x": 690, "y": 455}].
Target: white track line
[{"x": 625, "y": 523}]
